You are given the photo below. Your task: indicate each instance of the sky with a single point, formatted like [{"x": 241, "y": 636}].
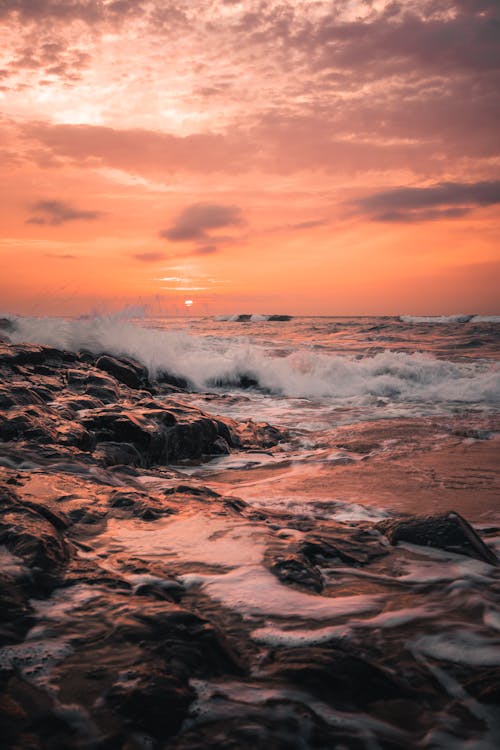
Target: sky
[{"x": 329, "y": 157}]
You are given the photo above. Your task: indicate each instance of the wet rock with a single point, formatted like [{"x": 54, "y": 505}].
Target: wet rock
[
  {"x": 124, "y": 370},
  {"x": 187, "y": 644},
  {"x": 334, "y": 674},
  {"x": 30, "y": 536},
  {"x": 238, "y": 380},
  {"x": 118, "y": 454},
  {"x": 154, "y": 702},
  {"x": 293, "y": 569},
  {"x": 17, "y": 395},
  {"x": 276, "y": 724},
  {"x": 138, "y": 505},
  {"x": 484, "y": 685},
  {"x": 167, "y": 378},
  {"x": 26, "y": 354},
  {"x": 93, "y": 383},
  {"x": 7, "y": 325},
  {"x": 30, "y": 718},
  {"x": 16, "y": 613},
  {"x": 252, "y": 434},
  {"x": 449, "y": 531},
  {"x": 352, "y": 546},
  {"x": 28, "y": 423}
]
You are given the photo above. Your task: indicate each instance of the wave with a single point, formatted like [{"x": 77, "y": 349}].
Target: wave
[
  {"x": 204, "y": 361},
  {"x": 486, "y": 319},
  {"x": 449, "y": 318},
  {"x": 436, "y": 318},
  {"x": 254, "y": 318}
]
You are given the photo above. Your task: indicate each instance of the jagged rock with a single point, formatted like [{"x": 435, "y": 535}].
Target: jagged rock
[
  {"x": 151, "y": 701},
  {"x": 177, "y": 381},
  {"x": 238, "y": 380},
  {"x": 118, "y": 454},
  {"x": 335, "y": 674},
  {"x": 449, "y": 531},
  {"x": 484, "y": 685},
  {"x": 34, "y": 539},
  {"x": 293, "y": 569},
  {"x": 276, "y": 724},
  {"x": 352, "y": 546},
  {"x": 124, "y": 370},
  {"x": 16, "y": 613},
  {"x": 93, "y": 383},
  {"x": 8, "y": 325},
  {"x": 17, "y": 395}
]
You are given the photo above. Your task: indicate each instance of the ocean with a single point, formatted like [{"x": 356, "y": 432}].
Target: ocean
[
  {"x": 280, "y": 545},
  {"x": 347, "y": 390}
]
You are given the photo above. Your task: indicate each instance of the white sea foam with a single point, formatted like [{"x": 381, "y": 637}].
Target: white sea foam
[
  {"x": 436, "y": 318},
  {"x": 450, "y": 318},
  {"x": 252, "y": 590},
  {"x": 35, "y": 659},
  {"x": 203, "y": 360},
  {"x": 486, "y": 319},
  {"x": 460, "y": 647}
]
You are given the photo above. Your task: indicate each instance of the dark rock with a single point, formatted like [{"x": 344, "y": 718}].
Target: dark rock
[
  {"x": 352, "y": 546},
  {"x": 151, "y": 702},
  {"x": 335, "y": 674},
  {"x": 188, "y": 645},
  {"x": 238, "y": 380},
  {"x": 16, "y": 613},
  {"x": 8, "y": 325},
  {"x": 449, "y": 531},
  {"x": 30, "y": 536},
  {"x": 124, "y": 370},
  {"x": 17, "y": 395},
  {"x": 484, "y": 685},
  {"x": 280, "y": 318},
  {"x": 93, "y": 383},
  {"x": 168, "y": 378},
  {"x": 279, "y": 724},
  {"x": 118, "y": 454},
  {"x": 293, "y": 569},
  {"x": 190, "y": 489},
  {"x": 27, "y": 354},
  {"x": 220, "y": 447},
  {"x": 252, "y": 434}
]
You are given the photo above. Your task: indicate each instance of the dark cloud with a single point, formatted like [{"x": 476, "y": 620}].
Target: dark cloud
[
  {"x": 308, "y": 224},
  {"x": 55, "y": 213},
  {"x": 442, "y": 201},
  {"x": 196, "y": 220},
  {"x": 89, "y": 11},
  {"x": 142, "y": 151},
  {"x": 205, "y": 250},
  {"x": 149, "y": 257}
]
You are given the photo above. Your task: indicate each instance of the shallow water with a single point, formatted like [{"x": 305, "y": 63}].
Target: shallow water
[{"x": 381, "y": 417}]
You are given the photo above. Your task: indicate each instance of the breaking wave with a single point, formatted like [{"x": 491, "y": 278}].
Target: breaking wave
[
  {"x": 450, "y": 318},
  {"x": 303, "y": 373},
  {"x": 255, "y": 318}
]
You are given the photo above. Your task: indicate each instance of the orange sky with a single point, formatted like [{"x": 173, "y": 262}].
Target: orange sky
[{"x": 310, "y": 157}]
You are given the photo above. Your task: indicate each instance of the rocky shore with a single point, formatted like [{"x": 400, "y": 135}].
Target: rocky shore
[{"x": 142, "y": 609}]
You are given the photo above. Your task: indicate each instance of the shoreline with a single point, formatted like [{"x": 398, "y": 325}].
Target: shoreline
[{"x": 144, "y": 608}]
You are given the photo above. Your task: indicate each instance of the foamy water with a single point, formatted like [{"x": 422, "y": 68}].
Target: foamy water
[{"x": 345, "y": 362}]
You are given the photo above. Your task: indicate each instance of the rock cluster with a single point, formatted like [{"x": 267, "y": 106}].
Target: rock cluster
[{"x": 101, "y": 649}]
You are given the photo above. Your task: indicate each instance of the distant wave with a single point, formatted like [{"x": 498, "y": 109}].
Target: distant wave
[
  {"x": 450, "y": 318},
  {"x": 255, "y": 318},
  {"x": 436, "y": 318},
  {"x": 204, "y": 361}
]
